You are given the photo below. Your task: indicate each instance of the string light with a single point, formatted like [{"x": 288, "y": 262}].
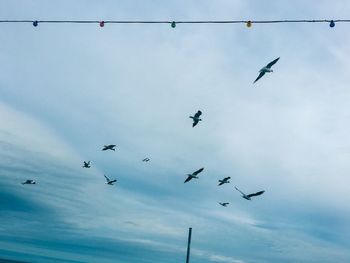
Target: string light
[{"x": 173, "y": 23}]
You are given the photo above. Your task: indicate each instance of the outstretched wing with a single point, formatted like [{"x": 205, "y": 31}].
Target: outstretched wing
[
  {"x": 272, "y": 63},
  {"x": 262, "y": 73},
  {"x": 221, "y": 183},
  {"x": 188, "y": 179},
  {"x": 198, "y": 171},
  {"x": 195, "y": 122},
  {"x": 108, "y": 180},
  {"x": 239, "y": 190},
  {"x": 199, "y": 113},
  {"x": 256, "y": 194}
]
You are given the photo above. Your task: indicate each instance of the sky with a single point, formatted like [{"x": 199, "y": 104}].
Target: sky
[{"x": 68, "y": 89}]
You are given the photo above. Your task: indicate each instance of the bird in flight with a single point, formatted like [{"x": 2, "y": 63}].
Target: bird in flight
[
  {"x": 29, "y": 181},
  {"x": 86, "y": 164},
  {"x": 196, "y": 118},
  {"x": 224, "y": 181},
  {"x": 109, "y": 181},
  {"x": 224, "y": 204},
  {"x": 146, "y": 160},
  {"x": 250, "y": 195},
  {"x": 193, "y": 175},
  {"x": 109, "y": 147},
  {"x": 266, "y": 69}
]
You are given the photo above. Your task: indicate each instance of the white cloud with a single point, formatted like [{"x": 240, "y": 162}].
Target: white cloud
[{"x": 67, "y": 90}]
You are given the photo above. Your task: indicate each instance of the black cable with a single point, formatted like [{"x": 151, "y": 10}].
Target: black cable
[{"x": 181, "y": 21}]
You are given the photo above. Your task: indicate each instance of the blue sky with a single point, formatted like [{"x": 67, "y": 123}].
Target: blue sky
[{"x": 66, "y": 90}]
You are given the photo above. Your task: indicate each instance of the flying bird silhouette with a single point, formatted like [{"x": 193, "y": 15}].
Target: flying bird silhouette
[
  {"x": 29, "y": 181},
  {"x": 266, "y": 69},
  {"x": 86, "y": 164},
  {"x": 109, "y": 181},
  {"x": 193, "y": 175},
  {"x": 196, "y": 118},
  {"x": 146, "y": 160},
  {"x": 109, "y": 147},
  {"x": 224, "y": 181},
  {"x": 223, "y": 204},
  {"x": 248, "y": 197}
]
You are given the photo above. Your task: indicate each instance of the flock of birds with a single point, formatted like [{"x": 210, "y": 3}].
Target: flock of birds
[{"x": 196, "y": 119}]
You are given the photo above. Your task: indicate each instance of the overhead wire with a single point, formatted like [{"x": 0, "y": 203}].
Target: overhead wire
[{"x": 181, "y": 21}]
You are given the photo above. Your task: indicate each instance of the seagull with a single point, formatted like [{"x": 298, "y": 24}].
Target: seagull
[
  {"x": 146, "y": 160},
  {"x": 193, "y": 175},
  {"x": 109, "y": 147},
  {"x": 109, "y": 181},
  {"x": 86, "y": 164},
  {"x": 224, "y": 181},
  {"x": 265, "y": 69},
  {"x": 29, "y": 181},
  {"x": 223, "y": 204},
  {"x": 196, "y": 118},
  {"x": 250, "y": 195}
]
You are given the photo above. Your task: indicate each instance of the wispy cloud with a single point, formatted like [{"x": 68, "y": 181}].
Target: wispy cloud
[{"x": 68, "y": 90}]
